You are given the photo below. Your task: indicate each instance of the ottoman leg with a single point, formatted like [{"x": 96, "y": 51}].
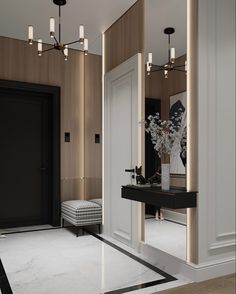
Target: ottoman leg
[
  {"x": 62, "y": 222},
  {"x": 77, "y": 232},
  {"x": 99, "y": 229}
]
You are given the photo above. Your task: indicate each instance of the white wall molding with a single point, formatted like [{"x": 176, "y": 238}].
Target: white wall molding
[
  {"x": 227, "y": 235},
  {"x": 214, "y": 270},
  {"x": 216, "y": 128},
  {"x": 219, "y": 244},
  {"x": 223, "y": 240},
  {"x": 122, "y": 109},
  {"x": 215, "y": 79}
]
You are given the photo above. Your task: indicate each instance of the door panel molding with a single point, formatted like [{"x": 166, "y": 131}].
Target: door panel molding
[{"x": 122, "y": 218}]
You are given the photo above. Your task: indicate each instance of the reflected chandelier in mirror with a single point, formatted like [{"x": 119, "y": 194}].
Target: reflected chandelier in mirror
[{"x": 170, "y": 65}]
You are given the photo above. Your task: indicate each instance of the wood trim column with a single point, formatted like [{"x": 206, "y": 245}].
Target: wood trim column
[
  {"x": 93, "y": 125},
  {"x": 192, "y": 126}
]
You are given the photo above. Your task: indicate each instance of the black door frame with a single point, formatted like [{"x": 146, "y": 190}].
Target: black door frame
[{"x": 54, "y": 93}]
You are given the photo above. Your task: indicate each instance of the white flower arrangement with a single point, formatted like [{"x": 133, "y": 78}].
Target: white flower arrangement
[{"x": 168, "y": 136}]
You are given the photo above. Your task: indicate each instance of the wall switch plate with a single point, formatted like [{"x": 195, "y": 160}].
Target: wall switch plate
[
  {"x": 97, "y": 138},
  {"x": 67, "y": 137}
]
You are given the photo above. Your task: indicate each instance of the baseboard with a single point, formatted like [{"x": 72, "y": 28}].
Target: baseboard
[
  {"x": 223, "y": 268},
  {"x": 176, "y": 266},
  {"x": 174, "y": 216}
]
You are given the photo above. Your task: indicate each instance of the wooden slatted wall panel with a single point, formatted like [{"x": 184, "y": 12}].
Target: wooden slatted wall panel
[
  {"x": 93, "y": 125},
  {"x": 125, "y": 37},
  {"x": 20, "y": 62}
]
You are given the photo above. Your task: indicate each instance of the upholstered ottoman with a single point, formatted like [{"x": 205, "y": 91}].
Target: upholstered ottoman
[
  {"x": 81, "y": 213},
  {"x": 97, "y": 201}
]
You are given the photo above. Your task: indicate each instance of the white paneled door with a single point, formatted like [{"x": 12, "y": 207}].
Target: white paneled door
[{"x": 122, "y": 149}]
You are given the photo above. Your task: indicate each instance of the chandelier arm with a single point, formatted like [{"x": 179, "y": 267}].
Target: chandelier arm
[
  {"x": 62, "y": 51},
  {"x": 73, "y": 42},
  {"x": 56, "y": 40},
  {"x": 154, "y": 70},
  {"x": 182, "y": 70},
  {"x": 48, "y": 49},
  {"x": 176, "y": 66},
  {"x": 158, "y": 66}
]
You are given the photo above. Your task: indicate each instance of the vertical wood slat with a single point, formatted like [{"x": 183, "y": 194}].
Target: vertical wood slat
[
  {"x": 125, "y": 37},
  {"x": 93, "y": 125},
  {"x": 192, "y": 127}
]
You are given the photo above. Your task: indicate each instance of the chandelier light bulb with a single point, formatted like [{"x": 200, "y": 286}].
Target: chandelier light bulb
[
  {"x": 81, "y": 34},
  {"x": 40, "y": 47},
  {"x": 52, "y": 27},
  {"x": 86, "y": 46},
  {"x": 30, "y": 34},
  {"x": 172, "y": 55},
  {"x": 150, "y": 58},
  {"x": 148, "y": 68},
  {"x": 66, "y": 51},
  {"x": 166, "y": 73}
]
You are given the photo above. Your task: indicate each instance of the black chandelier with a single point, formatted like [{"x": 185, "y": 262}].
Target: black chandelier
[
  {"x": 170, "y": 65},
  {"x": 58, "y": 45}
]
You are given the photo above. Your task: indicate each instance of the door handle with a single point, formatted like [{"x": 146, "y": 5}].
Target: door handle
[{"x": 129, "y": 170}]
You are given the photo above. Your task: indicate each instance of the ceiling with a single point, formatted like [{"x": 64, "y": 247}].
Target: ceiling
[
  {"x": 160, "y": 14},
  {"x": 96, "y": 15}
]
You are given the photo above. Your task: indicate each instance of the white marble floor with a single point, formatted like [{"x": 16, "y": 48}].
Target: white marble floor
[
  {"x": 55, "y": 261},
  {"x": 166, "y": 236}
]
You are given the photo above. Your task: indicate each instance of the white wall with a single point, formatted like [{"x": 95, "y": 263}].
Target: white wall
[{"x": 216, "y": 212}]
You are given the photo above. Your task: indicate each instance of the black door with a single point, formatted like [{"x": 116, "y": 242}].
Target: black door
[{"x": 25, "y": 158}]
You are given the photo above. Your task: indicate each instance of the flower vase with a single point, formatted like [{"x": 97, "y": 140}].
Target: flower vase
[{"x": 165, "y": 176}]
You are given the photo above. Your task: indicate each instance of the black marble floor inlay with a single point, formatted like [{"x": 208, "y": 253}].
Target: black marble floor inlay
[
  {"x": 167, "y": 278},
  {"x": 4, "y": 283},
  {"x": 29, "y": 231}
]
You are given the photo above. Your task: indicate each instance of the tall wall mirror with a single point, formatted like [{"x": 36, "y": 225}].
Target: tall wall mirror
[{"x": 165, "y": 92}]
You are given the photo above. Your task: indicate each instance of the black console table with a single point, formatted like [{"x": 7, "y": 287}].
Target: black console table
[{"x": 174, "y": 198}]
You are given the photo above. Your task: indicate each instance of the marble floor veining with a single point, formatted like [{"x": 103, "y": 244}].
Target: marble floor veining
[{"x": 55, "y": 261}]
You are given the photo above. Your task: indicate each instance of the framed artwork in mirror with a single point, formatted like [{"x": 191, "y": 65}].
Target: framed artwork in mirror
[{"x": 178, "y": 108}]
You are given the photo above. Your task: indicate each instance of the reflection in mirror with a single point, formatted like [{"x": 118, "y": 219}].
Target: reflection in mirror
[
  {"x": 178, "y": 104},
  {"x": 165, "y": 92}
]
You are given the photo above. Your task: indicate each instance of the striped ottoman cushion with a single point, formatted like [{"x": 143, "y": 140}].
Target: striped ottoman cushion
[
  {"x": 81, "y": 212},
  {"x": 83, "y": 222},
  {"x": 97, "y": 201}
]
